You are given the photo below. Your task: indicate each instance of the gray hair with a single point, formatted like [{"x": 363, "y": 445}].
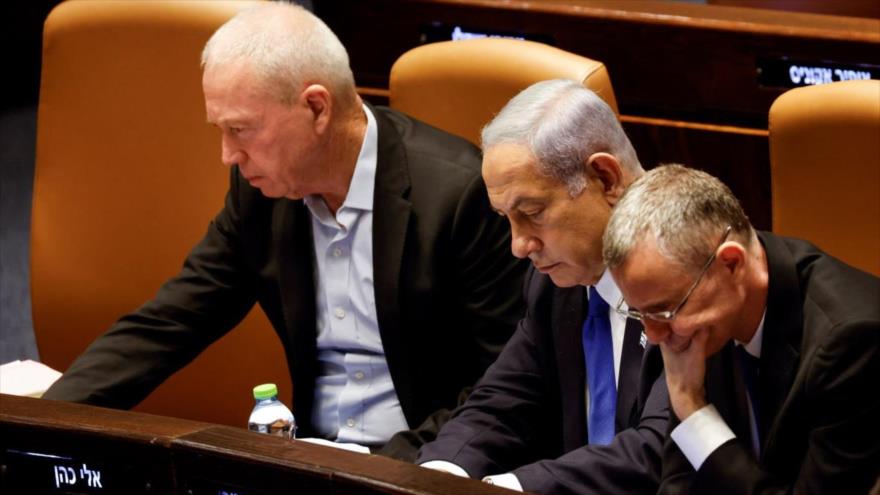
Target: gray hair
[
  {"x": 287, "y": 47},
  {"x": 562, "y": 123},
  {"x": 686, "y": 210}
]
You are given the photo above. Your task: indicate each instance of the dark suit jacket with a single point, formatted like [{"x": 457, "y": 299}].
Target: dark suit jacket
[
  {"x": 820, "y": 406},
  {"x": 528, "y": 414},
  {"x": 447, "y": 288}
]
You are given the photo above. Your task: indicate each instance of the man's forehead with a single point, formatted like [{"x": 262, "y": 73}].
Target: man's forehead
[
  {"x": 646, "y": 277},
  {"x": 512, "y": 176},
  {"x": 517, "y": 190}
]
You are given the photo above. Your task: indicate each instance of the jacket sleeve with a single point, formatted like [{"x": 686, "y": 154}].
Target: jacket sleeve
[
  {"x": 842, "y": 447},
  {"x": 629, "y": 464},
  {"x": 207, "y": 298},
  {"x": 493, "y": 431}
]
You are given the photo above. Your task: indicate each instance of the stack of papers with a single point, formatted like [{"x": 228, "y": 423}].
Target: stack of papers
[{"x": 26, "y": 378}]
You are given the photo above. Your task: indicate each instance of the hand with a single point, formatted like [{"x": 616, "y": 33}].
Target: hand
[{"x": 686, "y": 374}]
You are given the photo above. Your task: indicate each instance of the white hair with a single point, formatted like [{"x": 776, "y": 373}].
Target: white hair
[
  {"x": 686, "y": 210},
  {"x": 562, "y": 123},
  {"x": 286, "y": 47}
]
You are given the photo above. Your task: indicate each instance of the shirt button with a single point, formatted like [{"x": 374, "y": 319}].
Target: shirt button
[
  {"x": 337, "y": 253},
  {"x": 359, "y": 375},
  {"x": 349, "y": 422},
  {"x": 339, "y": 313}
]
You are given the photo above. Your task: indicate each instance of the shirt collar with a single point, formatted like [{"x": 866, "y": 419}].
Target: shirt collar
[
  {"x": 608, "y": 290},
  {"x": 753, "y": 346},
  {"x": 363, "y": 180}
]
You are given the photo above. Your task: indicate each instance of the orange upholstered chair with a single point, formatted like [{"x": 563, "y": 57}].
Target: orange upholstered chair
[
  {"x": 825, "y": 169},
  {"x": 459, "y": 86},
  {"x": 128, "y": 176}
]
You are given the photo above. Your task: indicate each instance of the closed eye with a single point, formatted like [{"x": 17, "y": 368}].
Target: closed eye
[{"x": 533, "y": 214}]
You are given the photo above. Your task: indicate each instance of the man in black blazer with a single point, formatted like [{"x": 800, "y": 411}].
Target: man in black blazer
[
  {"x": 555, "y": 162},
  {"x": 771, "y": 347},
  {"x": 426, "y": 272}
]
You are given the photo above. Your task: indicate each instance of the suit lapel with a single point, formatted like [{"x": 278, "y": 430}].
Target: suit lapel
[
  {"x": 568, "y": 314},
  {"x": 295, "y": 255},
  {"x": 628, "y": 379},
  {"x": 392, "y": 213},
  {"x": 783, "y": 331}
]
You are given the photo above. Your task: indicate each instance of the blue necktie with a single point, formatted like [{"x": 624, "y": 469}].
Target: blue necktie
[{"x": 599, "y": 355}]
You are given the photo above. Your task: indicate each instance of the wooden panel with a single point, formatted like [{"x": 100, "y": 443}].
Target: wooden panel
[
  {"x": 853, "y": 8},
  {"x": 142, "y": 453},
  {"x": 669, "y": 60}
]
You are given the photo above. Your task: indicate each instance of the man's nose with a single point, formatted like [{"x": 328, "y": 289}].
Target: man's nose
[
  {"x": 656, "y": 331},
  {"x": 230, "y": 154},
  {"x": 522, "y": 244}
]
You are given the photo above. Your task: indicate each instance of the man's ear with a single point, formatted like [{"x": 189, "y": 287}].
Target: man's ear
[
  {"x": 607, "y": 169},
  {"x": 732, "y": 256},
  {"x": 317, "y": 99}
]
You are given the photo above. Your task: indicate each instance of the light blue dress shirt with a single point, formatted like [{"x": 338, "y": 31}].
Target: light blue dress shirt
[{"x": 355, "y": 400}]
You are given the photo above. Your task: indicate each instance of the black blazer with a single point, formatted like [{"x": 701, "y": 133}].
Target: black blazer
[
  {"x": 820, "y": 409},
  {"x": 447, "y": 288},
  {"x": 528, "y": 413}
]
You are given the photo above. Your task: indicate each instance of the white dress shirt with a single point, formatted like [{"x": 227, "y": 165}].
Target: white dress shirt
[
  {"x": 355, "y": 400},
  {"x": 609, "y": 291},
  {"x": 704, "y": 431}
]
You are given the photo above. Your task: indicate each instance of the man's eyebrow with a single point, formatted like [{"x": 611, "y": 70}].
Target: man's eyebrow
[
  {"x": 517, "y": 203},
  {"x": 229, "y": 121},
  {"x": 524, "y": 200}
]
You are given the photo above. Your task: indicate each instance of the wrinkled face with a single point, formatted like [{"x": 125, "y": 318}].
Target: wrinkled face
[
  {"x": 560, "y": 234},
  {"x": 271, "y": 142},
  {"x": 650, "y": 282}
]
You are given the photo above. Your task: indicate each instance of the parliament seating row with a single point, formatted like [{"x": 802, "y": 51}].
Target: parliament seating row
[{"x": 128, "y": 174}]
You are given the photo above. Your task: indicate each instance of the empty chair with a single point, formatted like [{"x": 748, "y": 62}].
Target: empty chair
[
  {"x": 825, "y": 169},
  {"x": 128, "y": 177},
  {"x": 458, "y": 86}
]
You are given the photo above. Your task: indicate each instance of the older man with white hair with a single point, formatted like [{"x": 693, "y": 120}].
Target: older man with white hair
[{"x": 364, "y": 235}]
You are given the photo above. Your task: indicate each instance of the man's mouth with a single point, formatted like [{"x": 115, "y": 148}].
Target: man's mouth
[{"x": 545, "y": 268}]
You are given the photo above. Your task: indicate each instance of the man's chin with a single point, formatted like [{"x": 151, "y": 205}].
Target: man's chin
[
  {"x": 562, "y": 280},
  {"x": 270, "y": 191}
]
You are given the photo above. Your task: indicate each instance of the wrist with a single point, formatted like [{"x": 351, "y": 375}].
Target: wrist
[{"x": 685, "y": 405}]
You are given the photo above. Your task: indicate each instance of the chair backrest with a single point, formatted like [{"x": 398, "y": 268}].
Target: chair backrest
[
  {"x": 459, "y": 86},
  {"x": 825, "y": 169},
  {"x": 128, "y": 176}
]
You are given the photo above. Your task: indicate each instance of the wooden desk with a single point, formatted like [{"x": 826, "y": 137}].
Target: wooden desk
[{"x": 48, "y": 446}]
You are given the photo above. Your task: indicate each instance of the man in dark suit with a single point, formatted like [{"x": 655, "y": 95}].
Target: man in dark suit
[
  {"x": 770, "y": 346},
  {"x": 365, "y": 236},
  {"x": 545, "y": 415}
]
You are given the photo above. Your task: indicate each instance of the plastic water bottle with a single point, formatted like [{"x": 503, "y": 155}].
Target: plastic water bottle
[{"x": 270, "y": 415}]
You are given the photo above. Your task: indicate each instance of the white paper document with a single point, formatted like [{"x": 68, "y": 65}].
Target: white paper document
[{"x": 26, "y": 378}]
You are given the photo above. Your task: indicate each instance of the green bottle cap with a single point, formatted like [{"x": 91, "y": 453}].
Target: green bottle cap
[{"x": 265, "y": 391}]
